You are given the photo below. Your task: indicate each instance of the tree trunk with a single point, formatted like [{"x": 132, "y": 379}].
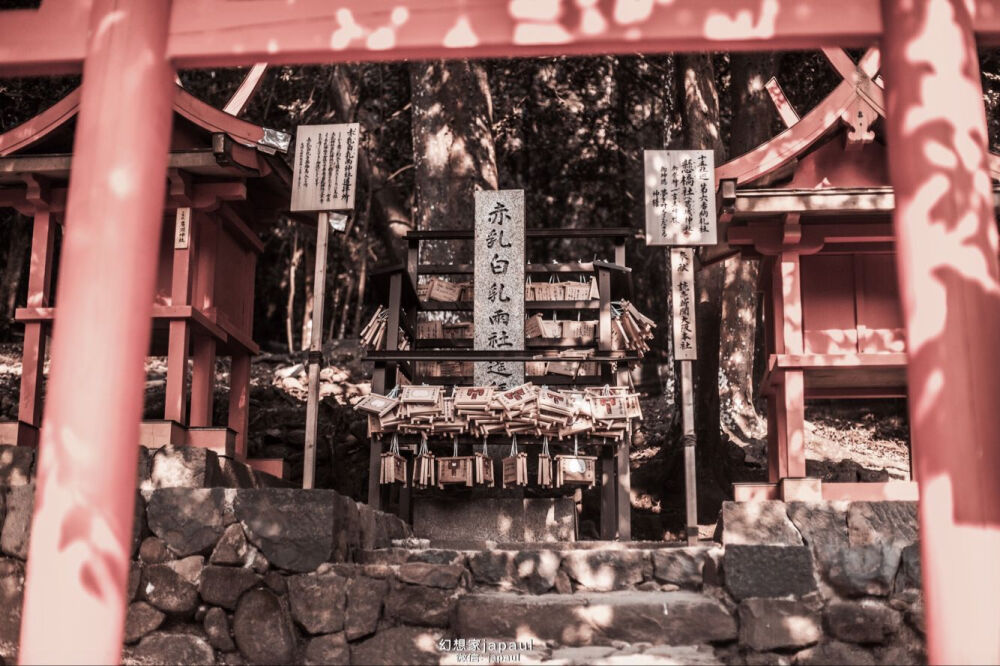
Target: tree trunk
[
  {"x": 307, "y": 291},
  {"x": 753, "y": 121},
  {"x": 391, "y": 216},
  {"x": 293, "y": 266},
  {"x": 453, "y": 148},
  {"x": 700, "y": 113}
]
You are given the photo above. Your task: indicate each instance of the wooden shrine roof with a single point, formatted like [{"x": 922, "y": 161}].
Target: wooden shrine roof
[{"x": 208, "y": 145}]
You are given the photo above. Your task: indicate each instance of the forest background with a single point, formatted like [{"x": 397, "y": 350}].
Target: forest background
[{"x": 568, "y": 131}]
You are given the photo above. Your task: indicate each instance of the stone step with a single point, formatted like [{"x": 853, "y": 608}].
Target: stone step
[
  {"x": 488, "y": 651},
  {"x": 597, "y": 618},
  {"x": 540, "y": 568}
]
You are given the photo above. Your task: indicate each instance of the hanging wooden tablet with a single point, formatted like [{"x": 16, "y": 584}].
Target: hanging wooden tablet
[
  {"x": 545, "y": 465},
  {"x": 576, "y": 470},
  {"x": 515, "y": 466},
  {"x": 484, "y": 470},
  {"x": 392, "y": 465},
  {"x": 423, "y": 466},
  {"x": 456, "y": 470}
]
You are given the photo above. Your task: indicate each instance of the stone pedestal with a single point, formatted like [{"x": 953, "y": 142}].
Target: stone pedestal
[{"x": 495, "y": 519}]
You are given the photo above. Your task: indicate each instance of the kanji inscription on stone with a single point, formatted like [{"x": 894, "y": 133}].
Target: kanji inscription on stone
[
  {"x": 498, "y": 310},
  {"x": 326, "y": 167},
  {"x": 680, "y": 197},
  {"x": 682, "y": 278}
]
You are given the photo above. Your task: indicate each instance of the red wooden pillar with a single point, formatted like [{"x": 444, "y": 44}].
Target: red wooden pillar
[
  {"x": 239, "y": 401},
  {"x": 786, "y": 407},
  {"x": 35, "y": 335},
  {"x": 206, "y": 230},
  {"x": 202, "y": 381},
  {"x": 81, "y": 534},
  {"x": 946, "y": 239},
  {"x": 175, "y": 405}
]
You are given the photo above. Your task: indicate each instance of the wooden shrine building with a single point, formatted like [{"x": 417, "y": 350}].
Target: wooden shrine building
[
  {"x": 814, "y": 205},
  {"x": 225, "y": 183}
]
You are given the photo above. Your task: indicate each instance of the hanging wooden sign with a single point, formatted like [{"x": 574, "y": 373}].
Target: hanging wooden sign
[
  {"x": 576, "y": 470},
  {"x": 182, "y": 229},
  {"x": 326, "y": 166},
  {"x": 456, "y": 470},
  {"x": 680, "y": 197},
  {"x": 682, "y": 280}
]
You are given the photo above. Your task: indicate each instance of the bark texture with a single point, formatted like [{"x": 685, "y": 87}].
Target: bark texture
[{"x": 453, "y": 148}]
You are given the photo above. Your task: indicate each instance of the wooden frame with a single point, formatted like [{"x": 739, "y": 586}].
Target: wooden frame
[{"x": 396, "y": 287}]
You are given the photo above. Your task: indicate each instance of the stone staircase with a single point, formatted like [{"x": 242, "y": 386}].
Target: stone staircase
[{"x": 559, "y": 603}]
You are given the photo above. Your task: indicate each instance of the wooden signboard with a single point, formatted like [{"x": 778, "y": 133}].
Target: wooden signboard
[
  {"x": 326, "y": 166},
  {"x": 182, "y": 229},
  {"x": 680, "y": 197},
  {"x": 498, "y": 310},
  {"x": 682, "y": 280}
]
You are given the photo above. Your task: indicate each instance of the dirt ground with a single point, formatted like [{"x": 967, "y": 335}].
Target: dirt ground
[{"x": 845, "y": 441}]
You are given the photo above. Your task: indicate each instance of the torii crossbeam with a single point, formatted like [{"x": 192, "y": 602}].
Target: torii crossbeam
[{"x": 127, "y": 50}]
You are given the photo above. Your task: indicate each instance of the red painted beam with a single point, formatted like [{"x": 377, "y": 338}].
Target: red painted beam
[
  {"x": 946, "y": 239},
  {"x": 215, "y": 33},
  {"x": 81, "y": 536}
]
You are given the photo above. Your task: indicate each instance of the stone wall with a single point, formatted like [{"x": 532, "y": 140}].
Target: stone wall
[
  {"x": 290, "y": 576},
  {"x": 831, "y": 582},
  {"x": 165, "y": 467},
  {"x": 228, "y": 575}
]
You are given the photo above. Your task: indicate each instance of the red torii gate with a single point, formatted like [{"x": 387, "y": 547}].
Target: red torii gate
[{"x": 944, "y": 224}]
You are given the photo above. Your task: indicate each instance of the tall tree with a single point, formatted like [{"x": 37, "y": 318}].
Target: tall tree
[
  {"x": 699, "y": 105},
  {"x": 453, "y": 146},
  {"x": 753, "y": 123}
]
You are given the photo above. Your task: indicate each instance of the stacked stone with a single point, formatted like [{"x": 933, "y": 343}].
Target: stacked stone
[
  {"x": 277, "y": 576},
  {"x": 232, "y": 575},
  {"x": 165, "y": 467},
  {"x": 831, "y": 582}
]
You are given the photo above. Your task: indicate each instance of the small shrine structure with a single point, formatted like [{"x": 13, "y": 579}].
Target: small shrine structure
[
  {"x": 814, "y": 204},
  {"x": 224, "y": 184}
]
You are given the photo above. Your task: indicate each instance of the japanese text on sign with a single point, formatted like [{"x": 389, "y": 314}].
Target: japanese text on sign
[
  {"x": 499, "y": 284},
  {"x": 182, "y": 229},
  {"x": 682, "y": 278},
  {"x": 680, "y": 197},
  {"x": 326, "y": 165}
]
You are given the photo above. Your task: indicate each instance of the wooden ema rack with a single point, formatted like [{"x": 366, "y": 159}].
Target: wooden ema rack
[{"x": 395, "y": 287}]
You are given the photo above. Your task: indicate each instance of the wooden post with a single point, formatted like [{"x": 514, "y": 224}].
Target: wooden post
[
  {"x": 685, "y": 338},
  {"x": 690, "y": 440},
  {"x": 205, "y": 230},
  {"x": 315, "y": 351},
  {"x": 175, "y": 403},
  {"x": 81, "y": 532},
  {"x": 946, "y": 239},
  {"x": 202, "y": 381},
  {"x": 608, "y": 498},
  {"x": 39, "y": 291},
  {"x": 239, "y": 401}
]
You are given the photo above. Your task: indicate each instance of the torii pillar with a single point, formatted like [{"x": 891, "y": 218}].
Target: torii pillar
[
  {"x": 946, "y": 238},
  {"x": 81, "y": 538}
]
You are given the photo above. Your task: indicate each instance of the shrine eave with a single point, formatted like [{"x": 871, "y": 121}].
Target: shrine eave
[
  {"x": 761, "y": 202},
  {"x": 203, "y": 115}
]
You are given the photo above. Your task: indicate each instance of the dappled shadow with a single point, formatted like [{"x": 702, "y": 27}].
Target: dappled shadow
[{"x": 947, "y": 243}]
